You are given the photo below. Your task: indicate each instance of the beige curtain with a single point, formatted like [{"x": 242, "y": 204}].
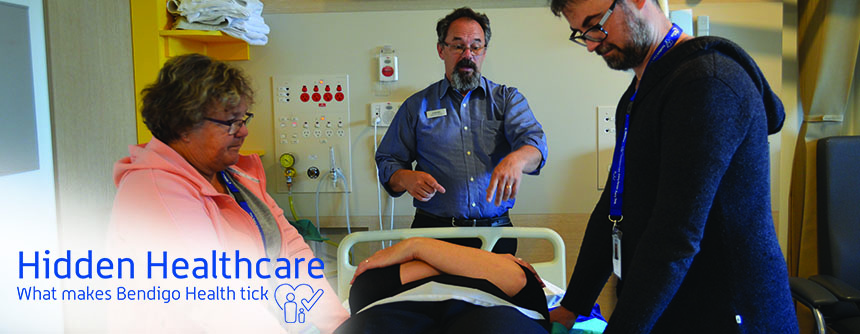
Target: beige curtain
[{"x": 828, "y": 42}]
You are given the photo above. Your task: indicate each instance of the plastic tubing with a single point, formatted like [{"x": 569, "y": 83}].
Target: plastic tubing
[
  {"x": 346, "y": 193},
  {"x": 378, "y": 186},
  {"x": 292, "y": 206}
]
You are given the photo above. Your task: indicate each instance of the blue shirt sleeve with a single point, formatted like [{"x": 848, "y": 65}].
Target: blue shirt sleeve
[
  {"x": 521, "y": 127},
  {"x": 397, "y": 149}
]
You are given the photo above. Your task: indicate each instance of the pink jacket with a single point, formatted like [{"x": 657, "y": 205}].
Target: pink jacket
[{"x": 163, "y": 203}]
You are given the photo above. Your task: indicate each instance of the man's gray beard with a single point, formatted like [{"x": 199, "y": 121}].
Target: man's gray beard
[
  {"x": 636, "y": 49},
  {"x": 465, "y": 82}
]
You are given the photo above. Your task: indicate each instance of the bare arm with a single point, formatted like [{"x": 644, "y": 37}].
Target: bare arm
[
  {"x": 531, "y": 157},
  {"x": 424, "y": 257},
  {"x": 505, "y": 181}
]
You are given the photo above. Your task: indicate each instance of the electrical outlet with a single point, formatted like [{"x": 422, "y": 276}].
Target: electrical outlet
[
  {"x": 605, "y": 142},
  {"x": 383, "y": 113}
]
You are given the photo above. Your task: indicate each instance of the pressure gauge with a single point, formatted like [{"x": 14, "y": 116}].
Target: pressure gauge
[{"x": 287, "y": 160}]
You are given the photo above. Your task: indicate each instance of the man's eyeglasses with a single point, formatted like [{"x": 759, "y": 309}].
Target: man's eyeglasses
[
  {"x": 596, "y": 32},
  {"x": 235, "y": 124},
  {"x": 476, "y": 49}
]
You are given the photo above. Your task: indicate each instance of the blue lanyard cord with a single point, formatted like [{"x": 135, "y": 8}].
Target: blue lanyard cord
[
  {"x": 616, "y": 186},
  {"x": 244, "y": 204},
  {"x": 668, "y": 42}
]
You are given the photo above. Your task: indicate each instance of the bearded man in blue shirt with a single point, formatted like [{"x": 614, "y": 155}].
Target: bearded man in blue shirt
[{"x": 472, "y": 139}]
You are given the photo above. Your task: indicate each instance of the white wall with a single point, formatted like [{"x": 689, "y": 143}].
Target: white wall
[{"x": 528, "y": 50}]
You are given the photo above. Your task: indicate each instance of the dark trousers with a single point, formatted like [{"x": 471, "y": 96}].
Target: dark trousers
[{"x": 503, "y": 246}]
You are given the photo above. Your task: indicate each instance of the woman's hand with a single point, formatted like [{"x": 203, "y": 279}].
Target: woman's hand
[{"x": 400, "y": 252}]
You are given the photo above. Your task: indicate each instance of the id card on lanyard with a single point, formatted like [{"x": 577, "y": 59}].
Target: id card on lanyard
[{"x": 616, "y": 186}]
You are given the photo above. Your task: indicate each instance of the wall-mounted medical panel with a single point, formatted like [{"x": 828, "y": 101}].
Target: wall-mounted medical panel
[{"x": 311, "y": 130}]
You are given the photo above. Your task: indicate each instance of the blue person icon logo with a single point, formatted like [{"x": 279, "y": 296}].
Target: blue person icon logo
[
  {"x": 290, "y": 309},
  {"x": 296, "y": 301}
]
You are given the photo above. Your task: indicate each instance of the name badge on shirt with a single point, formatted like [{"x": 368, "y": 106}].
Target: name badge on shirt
[{"x": 436, "y": 113}]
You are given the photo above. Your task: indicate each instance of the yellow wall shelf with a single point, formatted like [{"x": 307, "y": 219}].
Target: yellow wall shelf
[
  {"x": 215, "y": 44},
  {"x": 153, "y": 42}
]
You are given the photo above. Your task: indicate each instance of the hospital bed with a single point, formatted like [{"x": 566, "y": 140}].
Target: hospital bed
[{"x": 552, "y": 271}]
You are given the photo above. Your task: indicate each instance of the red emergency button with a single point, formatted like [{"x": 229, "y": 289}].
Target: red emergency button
[
  {"x": 327, "y": 97},
  {"x": 316, "y": 97},
  {"x": 305, "y": 97},
  {"x": 388, "y": 71},
  {"x": 338, "y": 96}
]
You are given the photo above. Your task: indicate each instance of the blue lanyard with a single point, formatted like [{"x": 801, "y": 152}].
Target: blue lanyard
[
  {"x": 616, "y": 187},
  {"x": 244, "y": 204}
]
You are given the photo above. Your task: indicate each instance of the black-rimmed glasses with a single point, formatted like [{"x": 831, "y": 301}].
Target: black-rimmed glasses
[
  {"x": 476, "y": 49},
  {"x": 596, "y": 32},
  {"x": 234, "y": 125}
]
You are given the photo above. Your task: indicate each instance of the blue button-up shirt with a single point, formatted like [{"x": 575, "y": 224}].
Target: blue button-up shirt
[{"x": 459, "y": 140}]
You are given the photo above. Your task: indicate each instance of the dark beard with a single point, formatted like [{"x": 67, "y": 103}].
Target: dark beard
[
  {"x": 634, "y": 51},
  {"x": 465, "y": 81}
]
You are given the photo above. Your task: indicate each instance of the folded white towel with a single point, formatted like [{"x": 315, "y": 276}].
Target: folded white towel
[
  {"x": 252, "y": 40},
  {"x": 238, "y": 18},
  {"x": 180, "y": 23},
  {"x": 208, "y": 11},
  {"x": 252, "y": 35},
  {"x": 255, "y": 25}
]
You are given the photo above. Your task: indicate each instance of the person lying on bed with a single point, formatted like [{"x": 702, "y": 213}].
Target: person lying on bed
[{"x": 424, "y": 285}]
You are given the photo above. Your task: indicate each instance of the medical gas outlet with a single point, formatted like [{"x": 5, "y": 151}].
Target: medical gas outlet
[
  {"x": 313, "y": 172},
  {"x": 289, "y": 173},
  {"x": 287, "y": 160}
]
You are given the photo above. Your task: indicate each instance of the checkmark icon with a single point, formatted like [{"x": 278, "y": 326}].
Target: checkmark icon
[{"x": 308, "y": 304}]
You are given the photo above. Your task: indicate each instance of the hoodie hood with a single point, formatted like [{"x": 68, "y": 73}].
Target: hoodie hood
[
  {"x": 156, "y": 155},
  {"x": 772, "y": 104}
]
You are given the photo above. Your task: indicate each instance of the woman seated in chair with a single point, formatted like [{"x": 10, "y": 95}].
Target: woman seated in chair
[{"x": 426, "y": 285}]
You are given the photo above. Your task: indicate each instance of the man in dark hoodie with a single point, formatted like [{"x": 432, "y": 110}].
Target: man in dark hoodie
[{"x": 693, "y": 243}]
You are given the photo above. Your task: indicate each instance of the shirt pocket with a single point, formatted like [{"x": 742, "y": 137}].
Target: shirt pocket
[
  {"x": 429, "y": 130},
  {"x": 493, "y": 137}
]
